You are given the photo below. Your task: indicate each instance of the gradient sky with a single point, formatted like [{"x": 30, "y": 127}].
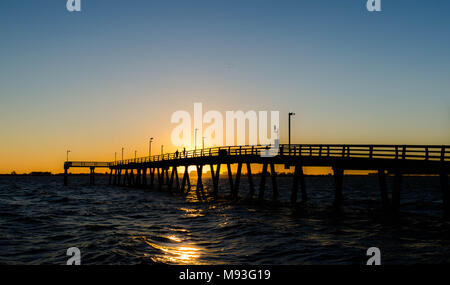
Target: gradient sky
[{"x": 113, "y": 74}]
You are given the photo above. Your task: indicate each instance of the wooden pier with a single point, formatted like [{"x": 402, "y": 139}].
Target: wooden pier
[{"x": 397, "y": 160}]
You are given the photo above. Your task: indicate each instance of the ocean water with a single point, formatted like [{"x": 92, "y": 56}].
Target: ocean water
[{"x": 40, "y": 219}]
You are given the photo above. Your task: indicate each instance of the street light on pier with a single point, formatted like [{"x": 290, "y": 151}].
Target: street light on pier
[
  {"x": 135, "y": 153},
  {"x": 67, "y": 154},
  {"x": 195, "y": 139},
  {"x": 150, "y": 147},
  {"x": 290, "y": 114},
  {"x": 122, "y": 153},
  {"x": 115, "y": 157}
]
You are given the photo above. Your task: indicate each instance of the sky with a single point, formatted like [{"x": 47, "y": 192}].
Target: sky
[{"x": 112, "y": 75}]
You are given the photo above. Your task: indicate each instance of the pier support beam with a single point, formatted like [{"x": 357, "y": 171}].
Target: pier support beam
[
  {"x": 199, "y": 178},
  {"x": 237, "y": 181},
  {"x": 152, "y": 177},
  {"x": 177, "y": 180},
  {"x": 66, "y": 176},
  {"x": 230, "y": 178},
  {"x": 174, "y": 177},
  {"x": 125, "y": 177},
  {"x": 166, "y": 170},
  {"x": 160, "y": 178},
  {"x": 262, "y": 184},
  {"x": 303, "y": 185},
  {"x": 298, "y": 177},
  {"x": 445, "y": 193},
  {"x": 383, "y": 189},
  {"x": 138, "y": 177},
  {"x": 186, "y": 180},
  {"x": 396, "y": 191},
  {"x": 215, "y": 178},
  {"x": 110, "y": 176},
  {"x": 92, "y": 176},
  {"x": 144, "y": 176},
  {"x": 338, "y": 189},
  {"x": 131, "y": 181},
  {"x": 273, "y": 174},
  {"x": 115, "y": 177},
  {"x": 250, "y": 180}
]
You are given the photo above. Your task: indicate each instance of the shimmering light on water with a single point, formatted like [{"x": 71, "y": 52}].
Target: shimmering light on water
[{"x": 40, "y": 219}]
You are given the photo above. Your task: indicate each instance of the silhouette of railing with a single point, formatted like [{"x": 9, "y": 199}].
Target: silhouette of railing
[
  {"x": 87, "y": 164},
  {"x": 397, "y": 152}
]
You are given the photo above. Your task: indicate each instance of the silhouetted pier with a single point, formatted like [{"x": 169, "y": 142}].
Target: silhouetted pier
[{"x": 397, "y": 160}]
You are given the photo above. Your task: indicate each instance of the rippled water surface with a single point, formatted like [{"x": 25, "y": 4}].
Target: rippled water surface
[{"x": 40, "y": 219}]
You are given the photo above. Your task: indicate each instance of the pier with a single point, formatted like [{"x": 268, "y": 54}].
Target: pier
[{"x": 162, "y": 170}]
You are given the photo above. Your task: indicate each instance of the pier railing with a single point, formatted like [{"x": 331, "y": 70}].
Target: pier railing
[
  {"x": 404, "y": 152},
  {"x": 87, "y": 164}
]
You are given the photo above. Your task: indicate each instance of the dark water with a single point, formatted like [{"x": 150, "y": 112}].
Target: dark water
[{"x": 40, "y": 219}]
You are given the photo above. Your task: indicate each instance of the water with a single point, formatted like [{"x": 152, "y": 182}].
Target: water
[{"x": 40, "y": 219}]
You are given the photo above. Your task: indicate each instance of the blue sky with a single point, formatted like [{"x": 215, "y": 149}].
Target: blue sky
[{"x": 113, "y": 74}]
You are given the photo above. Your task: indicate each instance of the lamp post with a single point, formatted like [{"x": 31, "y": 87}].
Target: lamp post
[
  {"x": 135, "y": 153},
  {"x": 162, "y": 149},
  {"x": 203, "y": 143},
  {"x": 195, "y": 139},
  {"x": 67, "y": 155},
  {"x": 115, "y": 157},
  {"x": 122, "y": 153},
  {"x": 290, "y": 114},
  {"x": 150, "y": 148}
]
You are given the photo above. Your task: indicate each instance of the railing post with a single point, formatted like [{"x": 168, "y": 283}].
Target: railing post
[
  {"x": 404, "y": 152},
  {"x": 299, "y": 150},
  {"x": 320, "y": 150},
  {"x": 343, "y": 151},
  {"x": 426, "y": 153},
  {"x": 443, "y": 153},
  {"x": 371, "y": 151},
  {"x": 396, "y": 152}
]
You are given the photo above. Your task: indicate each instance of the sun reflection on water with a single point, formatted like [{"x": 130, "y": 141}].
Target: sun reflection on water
[
  {"x": 182, "y": 254},
  {"x": 173, "y": 238},
  {"x": 192, "y": 213}
]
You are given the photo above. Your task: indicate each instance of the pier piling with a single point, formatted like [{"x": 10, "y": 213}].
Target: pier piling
[
  {"x": 396, "y": 189},
  {"x": 338, "y": 189},
  {"x": 445, "y": 193},
  {"x": 383, "y": 189}
]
